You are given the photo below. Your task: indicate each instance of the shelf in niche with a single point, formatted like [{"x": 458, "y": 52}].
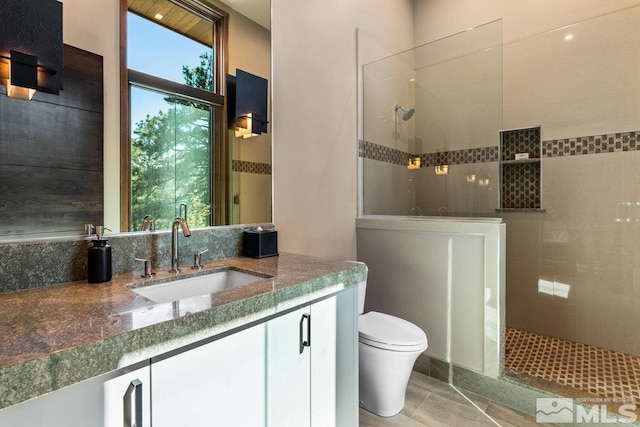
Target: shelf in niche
[
  {"x": 521, "y": 178},
  {"x": 533, "y": 210},
  {"x": 521, "y": 162}
]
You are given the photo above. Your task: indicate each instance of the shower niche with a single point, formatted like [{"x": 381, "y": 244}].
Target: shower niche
[{"x": 520, "y": 161}]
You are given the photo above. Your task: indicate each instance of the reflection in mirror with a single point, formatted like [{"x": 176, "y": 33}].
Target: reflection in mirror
[
  {"x": 170, "y": 160},
  {"x": 239, "y": 172},
  {"x": 51, "y": 151},
  {"x": 180, "y": 152}
]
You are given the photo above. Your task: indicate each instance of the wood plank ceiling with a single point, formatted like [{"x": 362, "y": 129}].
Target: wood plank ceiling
[{"x": 175, "y": 18}]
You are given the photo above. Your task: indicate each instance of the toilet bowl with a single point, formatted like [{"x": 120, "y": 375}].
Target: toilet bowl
[{"x": 388, "y": 349}]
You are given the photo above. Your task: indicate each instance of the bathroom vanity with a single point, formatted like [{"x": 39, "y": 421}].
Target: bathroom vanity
[{"x": 280, "y": 350}]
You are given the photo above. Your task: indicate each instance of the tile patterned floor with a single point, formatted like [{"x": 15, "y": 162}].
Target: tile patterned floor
[
  {"x": 600, "y": 372},
  {"x": 430, "y": 402}
]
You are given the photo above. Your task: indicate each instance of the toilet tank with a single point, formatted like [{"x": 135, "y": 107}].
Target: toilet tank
[{"x": 362, "y": 290}]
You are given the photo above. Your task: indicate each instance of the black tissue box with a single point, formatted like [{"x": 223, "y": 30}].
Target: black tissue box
[{"x": 260, "y": 244}]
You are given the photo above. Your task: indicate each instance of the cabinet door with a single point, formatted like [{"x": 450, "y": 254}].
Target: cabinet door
[
  {"x": 288, "y": 370},
  {"x": 301, "y": 366},
  {"x": 221, "y": 383},
  {"x": 96, "y": 402},
  {"x": 323, "y": 362}
]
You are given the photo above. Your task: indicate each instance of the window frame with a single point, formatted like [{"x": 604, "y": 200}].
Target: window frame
[{"x": 216, "y": 99}]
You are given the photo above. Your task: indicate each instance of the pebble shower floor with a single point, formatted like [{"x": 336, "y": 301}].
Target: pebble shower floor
[{"x": 604, "y": 373}]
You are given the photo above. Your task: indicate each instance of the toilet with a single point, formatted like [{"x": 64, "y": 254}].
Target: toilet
[{"x": 388, "y": 347}]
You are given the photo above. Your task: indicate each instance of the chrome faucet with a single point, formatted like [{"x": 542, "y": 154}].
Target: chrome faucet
[
  {"x": 148, "y": 222},
  {"x": 182, "y": 223}
]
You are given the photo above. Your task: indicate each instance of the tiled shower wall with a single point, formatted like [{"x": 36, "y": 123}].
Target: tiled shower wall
[
  {"x": 521, "y": 183},
  {"x": 573, "y": 269},
  {"x": 586, "y": 236},
  {"x": 573, "y": 265}
]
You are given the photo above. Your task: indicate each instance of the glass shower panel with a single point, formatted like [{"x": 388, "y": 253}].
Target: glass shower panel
[{"x": 431, "y": 128}]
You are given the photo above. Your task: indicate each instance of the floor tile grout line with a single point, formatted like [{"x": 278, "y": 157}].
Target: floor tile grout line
[
  {"x": 476, "y": 406},
  {"x": 415, "y": 411}
]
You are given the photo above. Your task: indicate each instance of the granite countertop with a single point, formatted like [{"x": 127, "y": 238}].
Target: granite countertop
[{"x": 58, "y": 335}]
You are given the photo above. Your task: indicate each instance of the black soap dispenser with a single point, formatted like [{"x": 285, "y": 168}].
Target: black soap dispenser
[{"x": 99, "y": 258}]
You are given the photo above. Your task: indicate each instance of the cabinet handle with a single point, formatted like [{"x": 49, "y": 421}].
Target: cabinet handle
[
  {"x": 134, "y": 387},
  {"x": 305, "y": 343}
]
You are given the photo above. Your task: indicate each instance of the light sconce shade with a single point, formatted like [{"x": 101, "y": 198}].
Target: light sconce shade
[
  {"x": 247, "y": 104},
  {"x": 23, "y": 81},
  {"x": 31, "y": 48},
  {"x": 244, "y": 126},
  {"x": 442, "y": 169}
]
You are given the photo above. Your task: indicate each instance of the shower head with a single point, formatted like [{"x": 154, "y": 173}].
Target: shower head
[{"x": 407, "y": 113}]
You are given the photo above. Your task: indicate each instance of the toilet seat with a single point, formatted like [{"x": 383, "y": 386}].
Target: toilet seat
[{"x": 390, "y": 333}]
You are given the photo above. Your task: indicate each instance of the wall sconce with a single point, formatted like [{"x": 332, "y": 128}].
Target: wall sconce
[
  {"x": 471, "y": 178},
  {"x": 23, "y": 80},
  {"x": 244, "y": 126},
  {"x": 414, "y": 162},
  {"x": 442, "y": 169},
  {"x": 31, "y": 48},
  {"x": 247, "y": 104}
]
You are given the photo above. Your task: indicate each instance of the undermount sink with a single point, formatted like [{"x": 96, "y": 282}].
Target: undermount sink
[{"x": 197, "y": 285}]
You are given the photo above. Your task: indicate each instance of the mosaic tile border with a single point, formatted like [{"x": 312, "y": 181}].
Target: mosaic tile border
[
  {"x": 370, "y": 150},
  {"x": 461, "y": 157},
  {"x": 594, "y": 144},
  {"x": 582, "y": 145},
  {"x": 250, "y": 167}
]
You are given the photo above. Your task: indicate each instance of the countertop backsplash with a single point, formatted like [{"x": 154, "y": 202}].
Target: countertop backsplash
[{"x": 37, "y": 263}]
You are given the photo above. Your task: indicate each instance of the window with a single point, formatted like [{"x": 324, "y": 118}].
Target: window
[
  {"x": 170, "y": 133},
  {"x": 170, "y": 159}
]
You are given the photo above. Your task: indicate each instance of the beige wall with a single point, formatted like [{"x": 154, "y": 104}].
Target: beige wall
[
  {"x": 315, "y": 115},
  {"x": 440, "y": 18}
]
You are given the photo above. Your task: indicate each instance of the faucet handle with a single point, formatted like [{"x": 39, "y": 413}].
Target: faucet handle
[
  {"x": 148, "y": 270},
  {"x": 197, "y": 260},
  {"x": 148, "y": 222}
]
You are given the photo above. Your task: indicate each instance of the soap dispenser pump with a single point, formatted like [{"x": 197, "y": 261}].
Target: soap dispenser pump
[{"x": 99, "y": 258}]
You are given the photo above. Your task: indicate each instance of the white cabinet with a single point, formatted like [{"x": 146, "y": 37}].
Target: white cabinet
[
  {"x": 289, "y": 370},
  {"x": 220, "y": 383},
  {"x": 100, "y": 401},
  {"x": 297, "y": 369},
  {"x": 307, "y": 349}
]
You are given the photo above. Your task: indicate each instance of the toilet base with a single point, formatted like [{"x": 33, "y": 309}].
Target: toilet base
[{"x": 384, "y": 376}]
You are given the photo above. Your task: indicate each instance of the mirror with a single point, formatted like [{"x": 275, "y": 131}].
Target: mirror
[{"x": 247, "y": 174}]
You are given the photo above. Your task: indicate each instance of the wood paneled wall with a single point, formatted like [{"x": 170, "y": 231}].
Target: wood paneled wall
[{"x": 51, "y": 154}]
